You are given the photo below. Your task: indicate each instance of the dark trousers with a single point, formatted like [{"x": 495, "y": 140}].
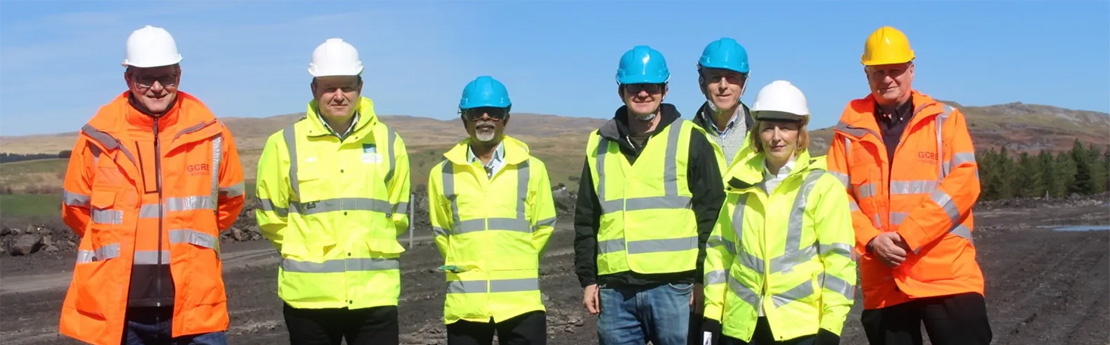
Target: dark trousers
[
  {"x": 950, "y": 320},
  {"x": 154, "y": 325},
  {"x": 527, "y": 329},
  {"x": 367, "y": 326},
  {"x": 763, "y": 336}
]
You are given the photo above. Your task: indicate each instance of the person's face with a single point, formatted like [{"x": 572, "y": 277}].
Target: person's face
[
  {"x": 155, "y": 88},
  {"x": 723, "y": 87},
  {"x": 643, "y": 99},
  {"x": 337, "y": 96},
  {"x": 890, "y": 84},
  {"x": 485, "y": 124},
  {"x": 779, "y": 139}
]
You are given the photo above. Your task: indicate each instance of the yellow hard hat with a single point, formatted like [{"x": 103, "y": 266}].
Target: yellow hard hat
[{"x": 886, "y": 46}]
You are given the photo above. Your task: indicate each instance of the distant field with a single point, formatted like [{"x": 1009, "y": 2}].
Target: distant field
[{"x": 30, "y": 205}]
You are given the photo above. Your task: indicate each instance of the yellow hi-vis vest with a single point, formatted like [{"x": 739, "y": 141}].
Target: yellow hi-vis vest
[
  {"x": 493, "y": 230},
  {"x": 334, "y": 211},
  {"x": 789, "y": 252},
  {"x": 647, "y": 221}
]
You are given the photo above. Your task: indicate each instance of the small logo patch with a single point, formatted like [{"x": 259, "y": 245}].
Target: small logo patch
[
  {"x": 197, "y": 169},
  {"x": 370, "y": 154},
  {"x": 928, "y": 157}
]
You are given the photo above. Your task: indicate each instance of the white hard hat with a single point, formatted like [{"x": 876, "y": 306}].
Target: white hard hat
[
  {"x": 335, "y": 57},
  {"x": 780, "y": 100},
  {"x": 151, "y": 47}
]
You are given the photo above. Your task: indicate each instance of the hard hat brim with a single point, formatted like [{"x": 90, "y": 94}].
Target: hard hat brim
[{"x": 774, "y": 115}]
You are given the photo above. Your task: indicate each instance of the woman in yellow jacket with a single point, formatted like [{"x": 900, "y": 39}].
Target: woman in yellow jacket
[{"x": 779, "y": 267}]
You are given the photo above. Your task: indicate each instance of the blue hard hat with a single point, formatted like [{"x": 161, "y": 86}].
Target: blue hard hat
[
  {"x": 484, "y": 91},
  {"x": 641, "y": 65},
  {"x": 725, "y": 53}
]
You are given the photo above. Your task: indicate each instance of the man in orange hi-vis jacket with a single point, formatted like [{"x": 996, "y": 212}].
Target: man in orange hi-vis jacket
[
  {"x": 908, "y": 163},
  {"x": 152, "y": 180}
]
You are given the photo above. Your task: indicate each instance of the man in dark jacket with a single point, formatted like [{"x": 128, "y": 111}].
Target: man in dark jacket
[{"x": 649, "y": 195}]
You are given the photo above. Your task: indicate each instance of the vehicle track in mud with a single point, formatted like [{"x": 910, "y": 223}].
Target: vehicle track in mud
[{"x": 1042, "y": 286}]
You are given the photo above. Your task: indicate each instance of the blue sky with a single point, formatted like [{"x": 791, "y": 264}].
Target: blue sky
[{"x": 60, "y": 61}]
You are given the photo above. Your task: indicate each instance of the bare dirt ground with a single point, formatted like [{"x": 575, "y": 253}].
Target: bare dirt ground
[{"x": 1043, "y": 286}]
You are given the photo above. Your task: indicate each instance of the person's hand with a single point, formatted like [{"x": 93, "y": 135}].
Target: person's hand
[
  {"x": 697, "y": 299},
  {"x": 590, "y": 299},
  {"x": 889, "y": 248}
]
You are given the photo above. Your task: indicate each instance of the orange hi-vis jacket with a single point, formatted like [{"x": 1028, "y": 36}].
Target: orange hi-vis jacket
[
  {"x": 926, "y": 197},
  {"x": 141, "y": 191}
]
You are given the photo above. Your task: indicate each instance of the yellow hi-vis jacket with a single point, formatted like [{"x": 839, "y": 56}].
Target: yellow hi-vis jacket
[
  {"x": 334, "y": 211},
  {"x": 493, "y": 230},
  {"x": 790, "y": 251},
  {"x": 647, "y": 223}
]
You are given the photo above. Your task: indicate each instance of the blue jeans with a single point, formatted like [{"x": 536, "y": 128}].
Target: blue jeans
[
  {"x": 635, "y": 315},
  {"x": 155, "y": 326}
]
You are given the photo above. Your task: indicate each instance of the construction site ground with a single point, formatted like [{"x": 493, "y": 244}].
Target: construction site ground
[{"x": 1043, "y": 285}]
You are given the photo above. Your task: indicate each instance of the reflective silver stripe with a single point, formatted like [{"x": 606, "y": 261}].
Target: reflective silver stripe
[
  {"x": 738, "y": 221},
  {"x": 149, "y": 211},
  {"x": 670, "y": 199},
  {"x": 520, "y": 223},
  {"x": 192, "y": 128},
  {"x": 962, "y": 231},
  {"x": 876, "y": 221},
  {"x": 268, "y": 205},
  {"x": 392, "y": 137},
  {"x": 105, "y": 252},
  {"x": 493, "y": 286},
  {"x": 842, "y": 249},
  {"x": 602, "y": 148},
  {"x": 150, "y": 257},
  {"x": 234, "y": 190},
  {"x": 107, "y": 140},
  {"x": 842, "y": 177},
  {"x": 439, "y": 231},
  {"x": 716, "y": 277},
  {"x": 670, "y": 173},
  {"x": 546, "y": 222},
  {"x": 945, "y": 202},
  {"x": 942, "y": 169},
  {"x": 107, "y": 216},
  {"x": 449, "y": 193},
  {"x": 96, "y": 154},
  {"x": 751, "y": 261},
  {"x": 746, "y": 294},
  {"x": 855, "y": 131},
  {"x": 664, "y": 245},
  {"x": 610, "y": 246},
  {"x": 341, "y": 265},
  {"x": 75, "y": 199},
  {"x": 339, "y": 204},
  {"x": 912, "y": 187},
  {"x": 961, "y": 158},
  {"x": 896, "y": 218},
  {"x": 867, "y": 190},
  {"x": 847, "y": 149},
  {"x": 852, "y": 205},
  {"x": 795, "y": 254},
  {"x": 195, "y": 237},
  {"x": 835, "y": 284},
  {"x": 190, "y": 203},
  {"x": 401, "y": 208},
  {"x": 720, "y": 241},
  {"x": 291, "y": 144},
  {"x": 217, "y": 147},
  {"x": 803, "y": 290}
]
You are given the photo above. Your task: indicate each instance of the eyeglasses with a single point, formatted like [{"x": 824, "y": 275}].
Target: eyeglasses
[
  {"x": 497, "y": 114},
  {"x": 650, "y": 88},
  {"x": 146, "y": 82},
  {"x": 731, "y": 78}
]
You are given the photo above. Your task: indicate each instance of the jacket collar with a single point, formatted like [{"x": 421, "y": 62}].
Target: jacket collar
[
  {"x": 516, "y": 151},
  {"x": 617, "y": 128},
  {"x": 859, "y": 119},
  {"x": 749, "y": 172},
  {"x": 704, "y": 116},
  {"x": 366, "y": 119}
]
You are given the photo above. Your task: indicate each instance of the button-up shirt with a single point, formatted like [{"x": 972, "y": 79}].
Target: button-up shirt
[{"x": 495, "y": 162}]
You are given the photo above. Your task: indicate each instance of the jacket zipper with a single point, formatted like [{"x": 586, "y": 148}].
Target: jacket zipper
[{"x": 161, "y": 204}]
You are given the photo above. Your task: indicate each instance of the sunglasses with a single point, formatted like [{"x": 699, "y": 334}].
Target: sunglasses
[
  {"x": 497, "y": 114},
  {"x": 650, "y": 88}
]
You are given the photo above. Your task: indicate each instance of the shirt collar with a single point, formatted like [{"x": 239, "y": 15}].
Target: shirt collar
[
  {"x": 707, "y": 115},
  {"x": 332, "y": 130},
  {"x": 498, "y": 154},
  {"x": 783, "y": 171}
]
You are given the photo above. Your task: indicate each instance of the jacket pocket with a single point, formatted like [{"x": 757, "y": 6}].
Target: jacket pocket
[{"x": 384, "y": 247}]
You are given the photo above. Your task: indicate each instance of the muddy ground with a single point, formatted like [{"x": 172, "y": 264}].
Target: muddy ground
[{"x": 1043, "y": 286}]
